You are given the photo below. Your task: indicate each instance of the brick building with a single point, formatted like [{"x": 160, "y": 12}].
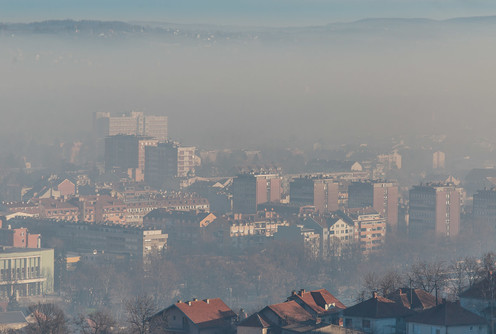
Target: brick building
[
  {"x": 382, "y": 196},
  {"x": 434, "y": 209}
]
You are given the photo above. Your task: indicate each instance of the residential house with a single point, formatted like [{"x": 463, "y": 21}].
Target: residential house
[
  {"x": 208, "y": 316},
  {"x": 414, "y": 299},
  {"x": 377, "y": 315},
  {"x": 321, "y": 304},
  {"x": 448, "y": 317}
]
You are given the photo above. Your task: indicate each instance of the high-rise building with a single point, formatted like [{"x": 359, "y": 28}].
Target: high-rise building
[
  {"x": 186, "y": 161},
  {"x": 321, "y": 193},
  {"x": 121, "y": 151},
  {"x": 133, "y": 123},
  {"x": 369, "y": 228},
  {"x": 382, "y": 196},
  {"x": 161, "y": 165},
  {"x": 438, "y": 160},
  {"x": 434, "y": 209},
  {"x": 250, "y": 190},
  {"x": 127, "y": 152},
  {"x": 484, "y": 206}
]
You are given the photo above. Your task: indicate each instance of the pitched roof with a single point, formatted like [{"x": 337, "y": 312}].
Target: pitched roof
[
  {"x": 255, "y": 320},
  {"x": 317, "y": 300},
  {"x": 480, "y": 290},
  {"x": 378, "y": 308},
  {"x": 447, "y": 314},
  {"x": 413, "y": 298},
  {"x": 13, "y": 317},
  {"x": 206, "y": 313},
  {"x": 290, "y": 311}
]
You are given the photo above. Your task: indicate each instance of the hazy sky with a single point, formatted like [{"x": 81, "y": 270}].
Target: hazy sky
[
  {"x": 314, "y": 85},
  {"x": 247, "y": 12}
]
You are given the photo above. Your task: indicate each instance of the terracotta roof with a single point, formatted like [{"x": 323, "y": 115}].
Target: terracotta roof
[
  {"x": 255, "y": 320},
  {"x": 378, "y": 308},
  {"x": 413, "y": 298},
  {"x": 317, "y": 301},
  {"x": 205, "y": 314},
  {"x": 290, "y": 311},
  {"x": 447, "y": 314}
]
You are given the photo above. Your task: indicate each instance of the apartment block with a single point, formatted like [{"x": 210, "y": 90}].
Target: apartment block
[
  {"x": 434, "y": 209},
  {"x": 382, "y": 196},
  {"x": 250, "y": 190}
]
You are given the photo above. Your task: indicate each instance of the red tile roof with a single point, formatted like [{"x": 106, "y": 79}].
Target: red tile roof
[
  {"x": 290, "y": 311},
  {"x": 205, "y": 314},
  {"x": 447, "y": 314},
  {"x": 317, "y": 301},
  {"x": 416, "y": 299},
  {"x": 378, "y": 308},
  {"x": 255, "y": 320}
]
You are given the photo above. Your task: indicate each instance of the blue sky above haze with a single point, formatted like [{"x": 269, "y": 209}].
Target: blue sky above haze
[{"x": 241, "y": 12}]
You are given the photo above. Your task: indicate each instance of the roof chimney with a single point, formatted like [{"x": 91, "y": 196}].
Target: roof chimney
[
  {"x": 374, "y": 294},
  {"x": 207, "y": 301},
  {"x": 189, "y": 303},
  {"x": 293, "y": 293},
  {"x": 302, "y": 291},
  {"x": 195, "y": 299},
  {"x": 179, "y": 301}
]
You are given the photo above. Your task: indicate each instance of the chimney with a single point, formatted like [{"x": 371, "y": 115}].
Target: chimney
[
  {"x": 195, "y": 299},
  {"x": 302, "y": 291},
  {"x": 293, "y": 293},
  {"x": 207, "y": 301},
  {"x": 179, "y": 301},
  {"x": 189, "y": 303},
  {"x": 374, "y": 294}
]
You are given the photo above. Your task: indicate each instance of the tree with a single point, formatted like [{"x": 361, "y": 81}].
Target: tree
[
  {"x": 471, "y": 267},
  {"x": 430, "y": 277},
  {"x": 48, "y": 319},
  {"x": 139, "y": 312},
  {"x": 98, "y": 322}
]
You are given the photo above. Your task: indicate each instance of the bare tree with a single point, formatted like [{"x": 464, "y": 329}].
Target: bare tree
[
  {"x": 139, "y": 312},
  {"x": 49, "y": 319},
  {"x": 487, "y": 265},
  {"x": 458, "y": 276},
  {"x": 430, "y": 277},
  {"x": 385, "y": 285},
  {"x": 471, "y": 266},
  {"x": 98, "y": 322}
]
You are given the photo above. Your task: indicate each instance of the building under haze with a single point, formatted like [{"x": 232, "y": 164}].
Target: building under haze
[
  {"x": 321, "y": 193},
  {"x": 133, "y": 123},
  {"x": 250, "y": 190},
  {"x": 434, "y": 209},
  {"x": 186, "y": 161},
  {"x": 161, "y": 165},
  {"x": 484, "y": 206},
  {"x": 382, "y": 196},
  {"x": 26, "y": 272},
  {"x": 438, "y": 160}
]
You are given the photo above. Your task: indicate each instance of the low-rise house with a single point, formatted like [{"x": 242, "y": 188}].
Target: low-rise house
[
  {"x": 287, "y": 318},
  {"x": 321, "y": 304},
  {"x": 480, "y": 297},
  {"x": 448, "y": 317},
  {"x": 414, "y": 299},
  {"x": 377, "y": 315},
  {"x": 209, "y": 316}
]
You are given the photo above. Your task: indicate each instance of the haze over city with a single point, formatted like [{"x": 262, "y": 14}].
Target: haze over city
[{"x": 250, "y": 167}]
